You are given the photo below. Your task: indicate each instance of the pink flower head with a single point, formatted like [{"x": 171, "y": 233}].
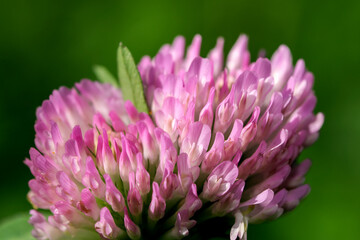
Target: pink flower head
[{"x": 221, "y": 139}]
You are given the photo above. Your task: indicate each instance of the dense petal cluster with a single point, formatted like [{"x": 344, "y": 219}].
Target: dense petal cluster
[{"x": 217, "y": 142}]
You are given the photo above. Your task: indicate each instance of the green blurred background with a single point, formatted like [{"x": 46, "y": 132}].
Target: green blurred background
[{"x": 47, "y": 44}]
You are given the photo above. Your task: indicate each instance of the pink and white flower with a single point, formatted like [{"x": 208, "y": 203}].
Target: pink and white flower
[{"x": 220, "y": 139}]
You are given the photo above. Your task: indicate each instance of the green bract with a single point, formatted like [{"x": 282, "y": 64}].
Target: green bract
[
  {"x": 129, "y": 78},
  {"x": 130, "y": 81}
]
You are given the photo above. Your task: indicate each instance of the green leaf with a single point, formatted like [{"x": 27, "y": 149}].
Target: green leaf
[
  {"x": 105, "y": 75},
  {"x": 130, "y": 81},
  {"x": 16, "y": 228}
]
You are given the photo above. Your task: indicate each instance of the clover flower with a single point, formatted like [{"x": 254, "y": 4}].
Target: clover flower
[{"x": 216, "y": 142}]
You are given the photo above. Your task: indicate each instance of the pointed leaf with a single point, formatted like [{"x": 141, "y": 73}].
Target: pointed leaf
[
  {"x": 130, "y": 81},
  {"x": 104, "y": 75}
]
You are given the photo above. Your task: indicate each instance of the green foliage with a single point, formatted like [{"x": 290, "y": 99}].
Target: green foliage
[
  {"x": 16, "y": 228},
  {"x": 105, "y": 75},
  {"x": 129, "y": 78},
  {"x": 130, "y": 81}
]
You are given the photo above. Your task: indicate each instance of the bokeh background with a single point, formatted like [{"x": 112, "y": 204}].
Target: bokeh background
[{"x": 47, "y": 44}]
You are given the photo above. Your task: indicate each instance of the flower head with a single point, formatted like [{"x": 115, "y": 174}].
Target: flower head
[{"x": 218, "y": 142}]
